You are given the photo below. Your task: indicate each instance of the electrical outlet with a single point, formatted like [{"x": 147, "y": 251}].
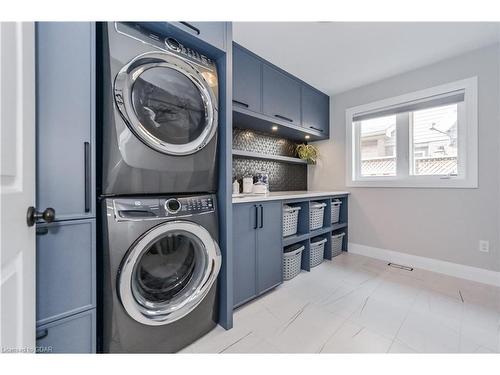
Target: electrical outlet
[{"x": 484, "y": 246}]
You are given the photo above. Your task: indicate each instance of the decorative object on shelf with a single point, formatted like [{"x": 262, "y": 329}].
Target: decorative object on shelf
[
  {"x": 236, "y": 187},
  {"x": 261, "y": 183},
  {"x": 247, "y": 183},
  {"x": 307, "y": 152}
]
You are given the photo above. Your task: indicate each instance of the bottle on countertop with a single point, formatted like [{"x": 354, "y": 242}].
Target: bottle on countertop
[{"x": 236, "y": 187}]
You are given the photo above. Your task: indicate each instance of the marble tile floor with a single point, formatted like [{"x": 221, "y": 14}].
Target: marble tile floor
[{"x": 356, "y": 304}]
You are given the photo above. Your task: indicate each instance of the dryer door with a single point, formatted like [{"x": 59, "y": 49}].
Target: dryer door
[
  {"x": 167, "y": 103},
  {"x": 168, "y": 272}
]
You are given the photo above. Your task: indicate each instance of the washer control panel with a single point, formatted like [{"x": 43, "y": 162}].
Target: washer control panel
[{"x": 127, "y": 209}]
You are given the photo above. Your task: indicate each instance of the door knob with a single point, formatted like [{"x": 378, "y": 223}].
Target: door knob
[{"x": 33, "y": 215}]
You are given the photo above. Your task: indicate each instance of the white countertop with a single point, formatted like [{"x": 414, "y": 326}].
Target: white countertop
[{"x": 285, "y": 195}]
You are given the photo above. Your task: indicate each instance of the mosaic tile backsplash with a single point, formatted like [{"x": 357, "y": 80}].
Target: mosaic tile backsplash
[{"x": 282, "y": 176}]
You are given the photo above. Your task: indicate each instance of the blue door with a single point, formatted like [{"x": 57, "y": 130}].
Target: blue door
[
  {"x": 247, "y": 80},
  {"x": 269, "y": 246},
  {"x": 280, "y": 95},
  {"x": 244, "y": 257}
]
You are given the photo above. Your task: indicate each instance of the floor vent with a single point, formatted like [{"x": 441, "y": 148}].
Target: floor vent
[{"x": 401, "y": 267}]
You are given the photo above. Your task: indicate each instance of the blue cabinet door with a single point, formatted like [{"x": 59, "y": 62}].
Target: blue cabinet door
[
  {"x": 247, "y": 80},
  {"x": 65, "y": 277},
  {"x": 315, "y": 110},
  {"x": 244, "y": 256},
  {"x": 65, "y": 100},
  {"x": 269, "y": 246},
  {"x": 280, "y": 95},
  {"x": 74, "y": 334},
  {"x": 213, "y": 33}
]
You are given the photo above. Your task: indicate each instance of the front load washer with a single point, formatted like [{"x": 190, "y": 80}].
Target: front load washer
[
  {"x": 160, "y": 114},
  {"x": 160, "y": 266}
]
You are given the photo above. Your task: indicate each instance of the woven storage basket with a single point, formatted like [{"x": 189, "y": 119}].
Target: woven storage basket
[
  {"x": 316, "y": 215},
  {"x": 336, "y": 210},
  {"x": 317, "y": 251},
  {"x": 292, "y": 261},
  {"x": 290, "y": 220},
  {"x": 337, "y": 240}
]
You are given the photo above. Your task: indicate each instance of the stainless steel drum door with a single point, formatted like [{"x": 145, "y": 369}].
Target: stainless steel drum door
[
  {"x": 168, "y": 272},
  {"x": 166, "y": 103}
]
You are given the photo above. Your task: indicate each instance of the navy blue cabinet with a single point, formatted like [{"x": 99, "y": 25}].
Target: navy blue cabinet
[
  {"x": 244, "y": 254},
  {"x": 257, "y": 248},
  {"x": 247, "y": 80},
  {"x": 66, "y": 249},
  {"x": 269, "y": 248},
  {"x": 65, "y": 118},
  {"x": 74, "y": 334},
  {"x": 213, "y": 33},
  {"x": 280, "y": 95},
  {"x": 65, "y": 279},
  {"x": 315, "y": 110},
  {"x": 264, "y": 96}
]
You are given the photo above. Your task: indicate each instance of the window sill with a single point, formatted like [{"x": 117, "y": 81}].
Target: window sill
[{"x": 425, "y": 183}]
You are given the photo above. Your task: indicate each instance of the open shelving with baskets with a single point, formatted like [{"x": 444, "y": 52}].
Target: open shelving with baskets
[{"x": 316, "y": 221}]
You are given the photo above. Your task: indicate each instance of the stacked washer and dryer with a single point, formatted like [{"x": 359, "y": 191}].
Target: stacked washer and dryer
[{"x": 159, "y": 178}]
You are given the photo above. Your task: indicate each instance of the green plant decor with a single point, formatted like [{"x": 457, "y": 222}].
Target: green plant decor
[{"x": 307, "y": 152}]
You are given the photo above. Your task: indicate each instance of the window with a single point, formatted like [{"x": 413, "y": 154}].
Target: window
[{"x": 423, "y": 139}]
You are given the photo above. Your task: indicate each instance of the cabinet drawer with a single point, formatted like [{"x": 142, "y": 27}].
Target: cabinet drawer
[
  {"x": 280, "y": 96},
  {"x": 213, "y": 33},
  {"x": 65, "y": 277},
  {"x": 74, "y": 334}
]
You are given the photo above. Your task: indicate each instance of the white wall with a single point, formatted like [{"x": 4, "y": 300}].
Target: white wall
[{"x": 444, "y": 224}]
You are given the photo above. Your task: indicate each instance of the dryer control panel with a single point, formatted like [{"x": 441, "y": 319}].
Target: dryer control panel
[
  {"x": 172, "y": 45},
  {"x": 144, "y": 208}
]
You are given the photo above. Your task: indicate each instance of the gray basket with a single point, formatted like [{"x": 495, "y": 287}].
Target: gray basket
[
  {"x": 317, "y": 252},
  {"x": 336, "y": 210},
  {"x": 337, "y": 240},
  {"x": 316, "y": 215},
  {"x": 291, "y": 263},
  {"x": 290, "y": 220}
]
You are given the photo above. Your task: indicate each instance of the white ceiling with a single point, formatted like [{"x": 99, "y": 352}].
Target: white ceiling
[{"x": 336, "y": 56}]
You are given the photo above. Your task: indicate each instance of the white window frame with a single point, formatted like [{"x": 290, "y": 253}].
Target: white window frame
[{"x": 467, "y": 142}]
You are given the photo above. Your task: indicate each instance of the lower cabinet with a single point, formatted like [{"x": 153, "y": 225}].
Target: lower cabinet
[
  {"x": 257, "y": 249},
  {"x": 66, "y": 285},
  {"x": 74, "y": 334}
]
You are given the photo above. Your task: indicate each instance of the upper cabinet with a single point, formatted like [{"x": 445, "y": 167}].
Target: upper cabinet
[
  {"x": 213, "y": 33},
  {"x": 247, "y": 82},
  {"x": 265, "y": 96},
  {"x": 280, "y": 95},
  {"x": 315, "y": 110},
  {"x": 66, "y": 118}
]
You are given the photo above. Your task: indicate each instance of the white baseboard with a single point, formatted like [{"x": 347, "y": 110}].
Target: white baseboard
[{"x": 480, "y": 275}]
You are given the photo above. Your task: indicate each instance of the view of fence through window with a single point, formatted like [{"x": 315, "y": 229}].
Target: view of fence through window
[
  {"x": 378, "y": 146},
  {"x": 433, "y": 143}
]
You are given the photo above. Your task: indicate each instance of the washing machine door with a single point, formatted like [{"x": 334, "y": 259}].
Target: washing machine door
[
  {"x": 167, "y": 103},
  {"x": 168, "y": 272}
]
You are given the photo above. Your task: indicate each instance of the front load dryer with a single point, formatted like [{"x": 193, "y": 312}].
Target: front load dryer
[
  {"x": 160, "y": 114},
  {"x": 160, "y": 265}
]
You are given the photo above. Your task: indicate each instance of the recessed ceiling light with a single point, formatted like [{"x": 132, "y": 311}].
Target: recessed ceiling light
[
  {"x": 308, "y": 136},
  {"x": 274, "y": 128}
]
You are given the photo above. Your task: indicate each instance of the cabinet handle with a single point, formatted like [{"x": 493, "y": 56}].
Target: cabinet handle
[
  {"x": 283, "y": 118},
  {"x": 261, "y": 216},
  {"x": 317, "y": 129},
  {"x": 241, "y": 103},
  {"x": 189, "y": 26},
  {"x": 256, "y": 224},
  {"x": 42, "y": 334},
  {"x": 87, "y": 162}
]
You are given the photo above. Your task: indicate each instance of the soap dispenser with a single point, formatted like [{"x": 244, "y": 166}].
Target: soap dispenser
[{"x": 236, "y": 187}]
